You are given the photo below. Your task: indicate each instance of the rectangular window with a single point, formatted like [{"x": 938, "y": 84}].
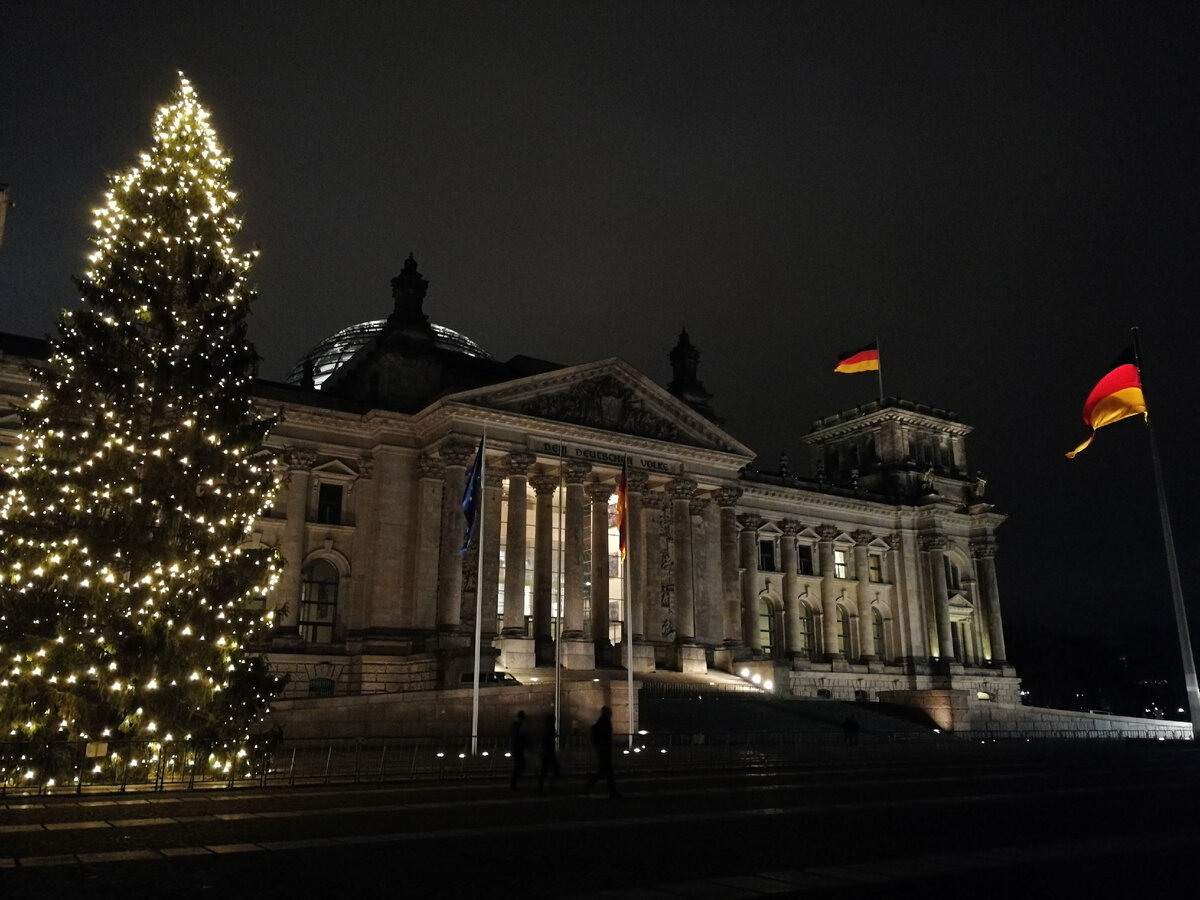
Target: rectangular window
[
  {"x": 875, "y": 568},
  {"x": 766, "y": 556},
  {"x": 804, "y": 560},
  {"x": 329, "y": 504},
  {"x": 839, "y": 564}
]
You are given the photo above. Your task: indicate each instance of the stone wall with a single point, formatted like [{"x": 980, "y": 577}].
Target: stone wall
[
  {"x": 964, "y": 715},
  {"x": 446, "y": 715},
  {"x": 310, "y": 674}
]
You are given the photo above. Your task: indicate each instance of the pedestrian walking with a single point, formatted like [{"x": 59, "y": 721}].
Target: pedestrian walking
[
  {"x": 548, "y": 752},
  {"x": 517, "y": 749},
  {"x": 850, "y": 727},
  {"x": 602, "y": 743}
]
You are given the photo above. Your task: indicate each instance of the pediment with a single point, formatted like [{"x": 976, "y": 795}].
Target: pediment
[
  {"x": 961, "y": 608},
  {"x": 335, "y": 468},
  {"x": 609, "y": 396}
]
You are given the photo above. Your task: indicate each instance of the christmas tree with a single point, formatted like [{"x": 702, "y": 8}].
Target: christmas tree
[{"x": 128, "y": 586}]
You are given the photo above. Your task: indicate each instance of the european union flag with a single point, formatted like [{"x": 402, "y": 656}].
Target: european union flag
[{"x": 472, "y": 498}]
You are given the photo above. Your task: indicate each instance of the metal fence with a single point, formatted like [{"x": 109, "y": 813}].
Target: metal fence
[{"x": 78, "y": 767}]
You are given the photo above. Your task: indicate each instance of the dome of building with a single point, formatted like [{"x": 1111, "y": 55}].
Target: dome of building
[{"x": 337, "y": 349}]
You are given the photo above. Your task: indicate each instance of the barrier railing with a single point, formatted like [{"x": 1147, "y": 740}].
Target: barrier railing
[{"x": 78, "y": 766}]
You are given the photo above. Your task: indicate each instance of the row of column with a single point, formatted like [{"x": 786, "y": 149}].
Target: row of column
[
  {"x": 644, "y": 567},
  {"x": 443, "y": 480},
  {"x": 987, "y": 600}
]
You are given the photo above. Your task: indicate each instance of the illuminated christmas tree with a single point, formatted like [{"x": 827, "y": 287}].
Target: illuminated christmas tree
[{"x": 129, "y": 583}]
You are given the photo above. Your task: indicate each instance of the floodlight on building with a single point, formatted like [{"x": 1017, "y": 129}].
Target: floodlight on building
[
  {"x": 768, "y": 685},
  {"x": 745, "y": 673},
  {"x": 756, "y": 678}
]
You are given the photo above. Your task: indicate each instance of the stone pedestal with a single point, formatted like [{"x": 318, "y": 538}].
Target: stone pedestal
[
  {"x": 691, "y": 659},
  {"x": 643, "y": 656},
  {"x": 515, "y": 652},
  {"x": 578, "y": 654}
]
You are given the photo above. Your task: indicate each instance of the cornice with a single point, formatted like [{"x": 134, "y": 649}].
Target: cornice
[{"x": 463, "y": 417}]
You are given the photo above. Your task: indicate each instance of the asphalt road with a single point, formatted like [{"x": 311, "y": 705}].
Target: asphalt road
[{"x": 1000, "y": 822}]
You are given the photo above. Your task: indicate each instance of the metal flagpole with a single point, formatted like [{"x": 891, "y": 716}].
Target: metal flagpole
[
  {"x": 879, "y": 368},
  {"x": 624, "y": 526},
  {"x": 1181, "y": 624},
  {"x": 562, "y": 503},
  {"x": 479, "y": 588}
]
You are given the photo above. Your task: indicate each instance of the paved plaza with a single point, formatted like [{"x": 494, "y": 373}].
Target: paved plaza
[{"x": 997, "y": 822}]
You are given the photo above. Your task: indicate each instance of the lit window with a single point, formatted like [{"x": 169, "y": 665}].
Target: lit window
[
  {"x": 839, "y": 564},
  {"x": 875, "y": 568},
  {"x": 843, "y": 631},
  {"x": 805, "y": 637},
  {"x": 766, "y": 626}
]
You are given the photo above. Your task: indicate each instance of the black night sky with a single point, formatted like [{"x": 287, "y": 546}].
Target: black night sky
[{"x": 998, "y": 190}]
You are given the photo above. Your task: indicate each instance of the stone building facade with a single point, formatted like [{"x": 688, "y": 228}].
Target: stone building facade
[{"x": 875, "y": 574}]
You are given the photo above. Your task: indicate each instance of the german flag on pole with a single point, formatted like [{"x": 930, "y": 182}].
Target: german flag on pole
[
  {"x": 622, "y": 511},
  {"x": 864, "y": 359},
  {"x": 1116, "y": 396}
]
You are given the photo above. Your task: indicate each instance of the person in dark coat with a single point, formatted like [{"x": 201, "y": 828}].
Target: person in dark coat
[
  {"x": 517, "y": 749},
  {"x": 602, "y": 743},
  {"x": 548, "y": 753}
]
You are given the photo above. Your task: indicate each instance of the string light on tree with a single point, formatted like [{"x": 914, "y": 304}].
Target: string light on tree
[{"x": 140, "y": 471}]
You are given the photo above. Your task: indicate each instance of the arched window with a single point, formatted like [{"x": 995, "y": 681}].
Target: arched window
[
  {"x": 318, "y": 601},
  {"x": 953, "y": 575},
  {"x": 843, "y": 631},
  {"x": 805, "y": 637},
  {"x": 877, "y": 630},
  {"x": 766, "y": 627}
]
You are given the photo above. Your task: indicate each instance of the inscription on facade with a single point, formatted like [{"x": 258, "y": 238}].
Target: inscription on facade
[{"x": 597, "y": 456}]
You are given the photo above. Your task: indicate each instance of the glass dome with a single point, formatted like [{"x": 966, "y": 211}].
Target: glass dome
[{"x": 333, "y": 352}]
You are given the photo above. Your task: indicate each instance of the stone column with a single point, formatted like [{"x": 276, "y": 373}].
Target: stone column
[
  {"x": 682, "y": 491},
  {"x": 791, "y": 588},
  {"x": 862, "y": 571},
  {"x": 706, "y": 582},
  {"x": 493, "y": 486},
  {"x": 573, "y": 552},
  {"x": 455, "y": 457},
  {"x": 430, "y": 489},
  {"x": 829, "y": 592},
  {"x": 749, "y": 567},
  {"x": 515, "y": 544},
  {"x": 299, "y": 473},
  {"x": 935, "y": 547},
  {"x": 731, "y": 601},
  {"x": 985, "y": 554},
  {"x": 635, "y": 555},
  {"x": 652, "y": 564},
  {"x": 544, "y": 485},
  {"x": 599, "y": 495}
]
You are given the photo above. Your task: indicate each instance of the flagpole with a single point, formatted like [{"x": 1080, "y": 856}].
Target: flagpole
[
  {"x": 624, "y": 524},
  {"x": 1190, "y": 683},
  {"x": 562, "y": 503},
  {"x": 879, "y": 369},
  {"x": 479, "y": 589}
]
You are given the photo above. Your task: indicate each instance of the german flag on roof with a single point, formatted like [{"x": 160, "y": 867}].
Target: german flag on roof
[{"x": 864, "y": 359}]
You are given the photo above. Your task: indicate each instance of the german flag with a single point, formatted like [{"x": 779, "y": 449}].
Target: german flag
[
  {"x": 1116, "y": 396},
  {"x": 622, "y": 511},
  {"x": 864, "y": 359}
]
